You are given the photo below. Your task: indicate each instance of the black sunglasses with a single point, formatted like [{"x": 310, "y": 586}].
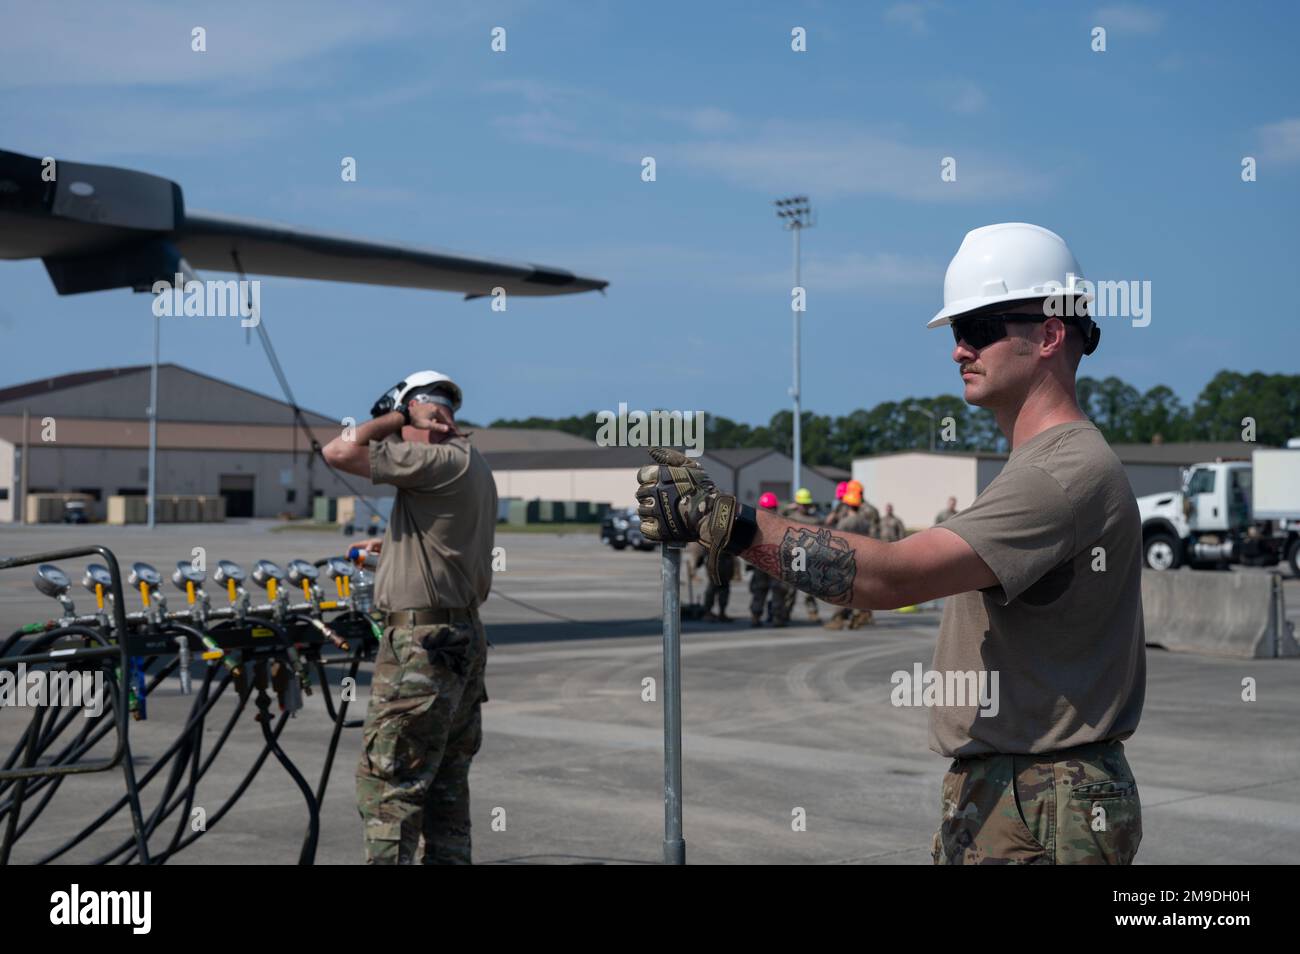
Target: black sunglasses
[{"x": 981, "y": 331}]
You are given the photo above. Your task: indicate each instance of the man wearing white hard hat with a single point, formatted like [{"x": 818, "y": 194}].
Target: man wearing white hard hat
[
  {"x": 1040, "y": 660},
  {"x": 423, "y": 724}
]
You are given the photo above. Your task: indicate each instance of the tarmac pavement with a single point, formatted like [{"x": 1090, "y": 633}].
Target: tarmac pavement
[{"x": 774, "y": 721}]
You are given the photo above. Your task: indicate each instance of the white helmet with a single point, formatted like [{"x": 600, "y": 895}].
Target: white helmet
[
  {"x": 419, "y": 382},
  {"x": 1011, "y": 261}
]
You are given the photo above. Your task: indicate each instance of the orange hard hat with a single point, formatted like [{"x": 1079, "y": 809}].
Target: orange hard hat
[{"x": 853, "y": 498}]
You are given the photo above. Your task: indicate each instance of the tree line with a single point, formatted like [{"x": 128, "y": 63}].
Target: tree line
[{"x": 1121, "y": 412}]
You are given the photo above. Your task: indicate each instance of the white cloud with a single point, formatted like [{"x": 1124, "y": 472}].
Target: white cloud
[
  {"x": 709, "y": 120},
  {"x": 100, "y": 127},
  {"x": 147, "y": 42},
  {"x": 541, "y": 128},
  {"x": 1280, "y": 141},
  {"x": 538, "y": 92},
  {"x": 856, "y": 272},
  {"x": 911, "y": 15},
  {"x": 1129, "y": 18},
  {"x": 834, "y": 159},
  {"x": 827, "y": 159},
  {"x": 968, "y": 98}
]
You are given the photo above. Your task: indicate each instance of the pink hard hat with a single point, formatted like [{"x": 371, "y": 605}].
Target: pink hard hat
[
  {"x": 767, "y": 501},
  {"x": 842, "y": 486}
]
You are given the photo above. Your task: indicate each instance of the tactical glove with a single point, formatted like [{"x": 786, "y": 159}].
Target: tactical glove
[{"x": 678, "y": 503}]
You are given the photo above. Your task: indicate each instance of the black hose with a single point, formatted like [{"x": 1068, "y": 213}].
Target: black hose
[
  {"x": 195, "y": 721},
  {"x": 11, "y": 828}
]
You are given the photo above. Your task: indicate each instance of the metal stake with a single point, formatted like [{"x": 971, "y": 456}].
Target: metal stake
[{"x": 674, "y": 843}]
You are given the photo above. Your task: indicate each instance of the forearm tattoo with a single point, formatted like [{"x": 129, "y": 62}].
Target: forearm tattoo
[{"x": 811, "y": 559}]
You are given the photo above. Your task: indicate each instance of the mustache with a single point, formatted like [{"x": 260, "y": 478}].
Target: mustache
[{"x": 971, "y": 366}]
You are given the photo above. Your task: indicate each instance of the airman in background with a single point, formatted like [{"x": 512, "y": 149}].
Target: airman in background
[
  {"x": 720, "y": 592},
  {"x": 855, "y": 520},
  {"x": 803, "y": 510},
  {"x": 838, "y": 511},
  {"x": 891, "y": 528},
  {"x": 949, "y": 511},
  {"x": 767, "y": 593},
  {"x": 869, "y": 512}
]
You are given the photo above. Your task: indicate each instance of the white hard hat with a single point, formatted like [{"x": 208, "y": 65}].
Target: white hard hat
[
  {"x": 420, "y": 381},
  {"x": 1011, "y": 261}
]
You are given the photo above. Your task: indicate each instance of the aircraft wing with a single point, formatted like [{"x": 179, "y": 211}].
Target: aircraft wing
[
  {"x": 210, "y": 241},
  {"x": 97, "y": 227}
]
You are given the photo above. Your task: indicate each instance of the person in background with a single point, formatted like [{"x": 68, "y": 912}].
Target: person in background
[
  {"x": 767, "y": 593},
  {"x": 949, "y": 511},
  {"x": 891, "y": 528},
  {"x": 803, "y": 510}
]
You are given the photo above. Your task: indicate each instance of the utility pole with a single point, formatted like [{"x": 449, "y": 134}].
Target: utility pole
[
  {"x": 796, "y": 214},
  {"x": 26, "y": 470},
  {"x": 934, "y": 419},
  {"x": 153, "y": 424}
]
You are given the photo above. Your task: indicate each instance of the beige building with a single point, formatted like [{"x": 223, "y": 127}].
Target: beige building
[
  {"x": 919, "y": 483},
  {"x": 87, "y": 432},
  {"x": 608, "y": 474}
]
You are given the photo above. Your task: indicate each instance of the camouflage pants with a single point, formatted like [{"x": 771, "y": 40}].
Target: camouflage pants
[
  {"x": 422, "y": 731},
  {"x": 761, "y": 586},
  {"x": 1075, "y": 807},
  {"x": 791, "y": 597},
  {"x": 720, "y": 594}
]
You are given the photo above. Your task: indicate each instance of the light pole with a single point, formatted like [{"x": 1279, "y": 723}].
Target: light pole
[
  {"x": 934, "y": 418},
  {"x": 153, "y": 425},
  {"x": 796, "y": 214}
]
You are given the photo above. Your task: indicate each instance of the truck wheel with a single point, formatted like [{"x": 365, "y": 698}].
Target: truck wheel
[
  {"x": 618, "y": 544},
  {"x": 1293, "y": 557},
  {"x": 1162, "y": 551}
]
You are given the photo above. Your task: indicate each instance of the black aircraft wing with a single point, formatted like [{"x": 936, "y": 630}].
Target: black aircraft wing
[{"x": 97, "y": 227}]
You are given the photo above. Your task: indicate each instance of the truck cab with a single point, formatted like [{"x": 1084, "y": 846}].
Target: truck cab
[{"x": 1214, "y": 520}]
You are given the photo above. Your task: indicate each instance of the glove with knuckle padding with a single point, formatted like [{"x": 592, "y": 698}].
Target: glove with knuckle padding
[{"x": 679, "y": 503}]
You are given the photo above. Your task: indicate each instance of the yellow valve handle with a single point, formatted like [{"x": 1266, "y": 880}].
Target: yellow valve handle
[
  {"x": 230, "y": 588},
  {"x": 306, "y": 590},
  {"x": 270, "y": 588},
  {"x": 212, "y": 654},
  {"x": 347, "y": 586},
  {"x": 99, "y": 595},
  {"x": 329, "y": 604},
  {"x": 144, "y": 594},
  {"x": 189, "y": 591}
]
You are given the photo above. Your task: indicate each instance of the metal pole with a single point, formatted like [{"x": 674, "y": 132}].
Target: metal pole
[
  {"x": 674, "y": 843},
  {"x": 153, "y": 424},
  {"x": 26, "y": 469},
  {"x": 798, "y": 415}
]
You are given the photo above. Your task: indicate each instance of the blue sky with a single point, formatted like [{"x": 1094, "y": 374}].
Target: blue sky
[{"x": 1133, "y": 155}]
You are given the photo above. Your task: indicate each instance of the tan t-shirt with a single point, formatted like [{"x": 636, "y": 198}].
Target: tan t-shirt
[
  {"x": 438, "y": 548},
  {"x": 1060, "y": 529}
]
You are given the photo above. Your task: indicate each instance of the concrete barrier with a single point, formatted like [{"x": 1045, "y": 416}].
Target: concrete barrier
[{"x": 1237, "y": 614}]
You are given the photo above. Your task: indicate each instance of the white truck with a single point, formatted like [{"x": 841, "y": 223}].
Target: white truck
[{"x": 1229, "y": 511}]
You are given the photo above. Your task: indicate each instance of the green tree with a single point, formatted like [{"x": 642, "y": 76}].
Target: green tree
[
  {"x": 1161, "y": 414},
  {"x": 1111, "y": 404},
  {"x": 1272, "y": 401}
]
